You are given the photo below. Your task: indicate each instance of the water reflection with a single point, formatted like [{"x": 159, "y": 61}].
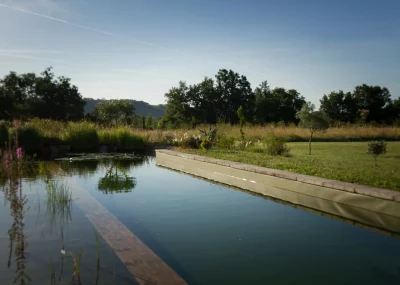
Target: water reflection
[
  {"x": 114, "y": 182},
  {"x": 57, "y": 218},
  {"x": 17, "y": 244}
]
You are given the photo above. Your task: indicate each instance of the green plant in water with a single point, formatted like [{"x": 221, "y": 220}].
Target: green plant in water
[
  {"x": 376, "y": 148},
  {"x": 59, "y": 201},
  {"x": 82, "y": 136}
]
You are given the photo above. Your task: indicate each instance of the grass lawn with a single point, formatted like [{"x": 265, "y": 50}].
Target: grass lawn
[{"x": 340, "y": 161}]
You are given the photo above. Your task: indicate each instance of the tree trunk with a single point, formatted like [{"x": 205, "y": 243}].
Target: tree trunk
[{"x": 309, "y": 144}]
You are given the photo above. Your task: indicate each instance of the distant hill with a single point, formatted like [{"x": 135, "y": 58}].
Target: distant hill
[{"x": 142, "y": 108}]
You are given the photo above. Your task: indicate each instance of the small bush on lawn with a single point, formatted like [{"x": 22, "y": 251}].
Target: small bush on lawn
[
  {"x": 376, "y": 148},
  {"x": 275, "y": 145},
  {"x": 82, "y": 136}
]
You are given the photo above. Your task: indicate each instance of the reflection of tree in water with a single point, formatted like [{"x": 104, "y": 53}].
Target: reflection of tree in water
[
  {"x": 13, "y": 193},
  {"x": 80, "y": 168},
  {"x": 116, "y": 182}
]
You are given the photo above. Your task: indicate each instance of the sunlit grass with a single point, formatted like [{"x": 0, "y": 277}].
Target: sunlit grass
[{"x": 339, "y": 161}]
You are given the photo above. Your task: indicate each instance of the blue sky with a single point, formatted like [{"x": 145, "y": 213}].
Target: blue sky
[{"x": 140, "y": 49}]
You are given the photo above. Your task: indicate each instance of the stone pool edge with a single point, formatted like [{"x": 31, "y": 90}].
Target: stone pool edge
[{"x": 354, "y": 190}]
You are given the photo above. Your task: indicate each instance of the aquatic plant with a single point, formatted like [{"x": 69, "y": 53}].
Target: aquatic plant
[
  {"x": 82, "y": 136},
  {"x": 12, "y": 159},
  {"x": 58, "y": 202}
]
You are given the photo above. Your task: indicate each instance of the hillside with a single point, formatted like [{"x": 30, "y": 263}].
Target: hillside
[{"x": 142, "y": 108}]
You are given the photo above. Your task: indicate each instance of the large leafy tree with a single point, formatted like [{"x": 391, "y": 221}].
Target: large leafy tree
[
  {"x": 375, "y": 99},
  {"x": 340, "y": 106},
  {"x": 290, "y": 101},
  {"x": 115, "y": 111},
  {"x": 267, "y": 104},
  {"x": 235, "y": 91},
  {"x": 178, "y": 110}
]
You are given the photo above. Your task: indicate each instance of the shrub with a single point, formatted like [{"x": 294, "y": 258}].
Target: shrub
[
  {"x": 190, "y": 142},
  {"x": 29, "y": 138},
  {"x": 206, "y": 143},
  {"x": 376, "y": 148},
  {"x": 3, "y": 134},
  {"x": 275, "y": 145},
  {"x": 127, "y": 140},
  {"x": 225, "y": 142},
  {"x": 82, "y": 136}
]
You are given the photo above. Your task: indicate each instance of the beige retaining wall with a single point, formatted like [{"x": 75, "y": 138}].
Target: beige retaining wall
[{"x": 371, "y": 206}]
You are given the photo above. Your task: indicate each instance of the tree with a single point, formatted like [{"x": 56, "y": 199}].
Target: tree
[
  {"x": 375, "y": 99},
  {"x": 45, "y": 96},
  {"x": 178, "y": 110},
  {"x": 313, "y": 120},
  {"x": 339, "y": 106},
  {"x": 115, "y": 111},
  {"x": 290, "y": 101},
  {"x": 234, "y": 91},
  {"x": 266, "y": 104},
  {"x": 149, "y": 121}
]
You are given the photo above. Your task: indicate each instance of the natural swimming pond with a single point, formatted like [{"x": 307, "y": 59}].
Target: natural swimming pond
[{"x": 206, "y": 233}]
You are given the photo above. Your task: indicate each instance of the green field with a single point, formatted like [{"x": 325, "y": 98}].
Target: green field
[{"x": 340, "y": 161}]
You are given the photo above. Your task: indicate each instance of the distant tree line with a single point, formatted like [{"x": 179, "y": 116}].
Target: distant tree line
[
  {"x": 30, "y": 95},
  {"x": 215, "y": 100}
]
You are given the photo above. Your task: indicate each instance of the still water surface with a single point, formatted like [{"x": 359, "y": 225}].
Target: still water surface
[{"x": 209, "y": 234}]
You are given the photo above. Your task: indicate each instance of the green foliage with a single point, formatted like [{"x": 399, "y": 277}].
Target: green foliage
[
  {"x": 29, "y": 138},
  {"x": 82, "y": 136},
  {"x": 242, "y": 121},
  {"x": 3, "y": 134},
  {"x": 376, "y": 148},
  {"x": 225, "y": 142},
  {"x": 149, "y": 122},
  {"x": 45, "y": 96},
  {"x": 123, "y": 138},
  {"x": 190, "y": 142},
  {"x": 205, "y": 143},
  {"x": 275, "y": 145},
  {"x": 315, "y": 121},
  {"x": 115, "y": 112},
  {"x": 113, "y": 182}
]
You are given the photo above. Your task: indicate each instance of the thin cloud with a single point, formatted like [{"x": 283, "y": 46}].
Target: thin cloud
[
  {"x": 18, "y": 51},
  {"x": 81, "y": 26},
  {"x": 31, "y": 57}
]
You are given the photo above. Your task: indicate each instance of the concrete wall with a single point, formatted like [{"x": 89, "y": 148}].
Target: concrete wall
[{"x": 378, "y": 207}]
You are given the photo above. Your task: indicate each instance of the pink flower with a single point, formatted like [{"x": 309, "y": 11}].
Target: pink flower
[
  {"x": 7, "y": 164},
  {"x": 15, "y": 123},
  {"x": 19, "y": 153}
]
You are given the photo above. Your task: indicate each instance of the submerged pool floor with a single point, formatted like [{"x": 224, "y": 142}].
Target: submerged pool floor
[{"x": 207, "y": 233}]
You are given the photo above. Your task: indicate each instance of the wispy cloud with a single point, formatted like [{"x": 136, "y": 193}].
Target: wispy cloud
[
  {"x": 24, "y": 51},
  {"x": 83, "y": 27},
  {"x": 31, "y": 57}
]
